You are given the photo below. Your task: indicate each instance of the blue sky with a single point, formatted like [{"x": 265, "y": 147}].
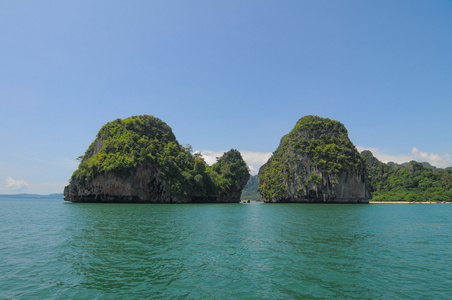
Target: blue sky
[{"x": 222, "y": 74}]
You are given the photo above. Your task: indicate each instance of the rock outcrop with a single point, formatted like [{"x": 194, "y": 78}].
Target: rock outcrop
[
  {"x": 138, "y": 160},
  {"x": 315, "y": 163}
]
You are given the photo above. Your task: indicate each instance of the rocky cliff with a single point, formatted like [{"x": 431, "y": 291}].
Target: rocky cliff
[
  {"x": 139, "y": 160},
  {"x": 315, "y": 163}
]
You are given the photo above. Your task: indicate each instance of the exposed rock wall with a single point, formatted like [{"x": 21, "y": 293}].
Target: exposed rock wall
[
  {"x": 144, "y": 185},
  {"x": 141, "y": 185},
  {"x": 348, "y": 187}
]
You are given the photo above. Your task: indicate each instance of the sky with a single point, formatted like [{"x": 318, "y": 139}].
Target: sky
[{"x": 222, "y": 75}]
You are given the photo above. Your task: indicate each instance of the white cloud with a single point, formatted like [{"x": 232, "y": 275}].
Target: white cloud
[
  {"x": 437, "y": 160},
  {"x": 16, "y": 185},
  {"x": 210, "y": 156},
  {"x": 441, "y": 161},
  {"x": 254, "y": 160}
]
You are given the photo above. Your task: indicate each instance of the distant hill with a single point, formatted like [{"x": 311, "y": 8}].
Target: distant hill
[
  {"x": 33, "y": 196},
  {"x": 425, "y": 164},
  {"x": 250, "y": 191},
  {"x": 412, "y": 181}
]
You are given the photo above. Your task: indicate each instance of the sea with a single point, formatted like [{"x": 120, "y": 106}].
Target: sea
[{"x": 51, "y": 249}]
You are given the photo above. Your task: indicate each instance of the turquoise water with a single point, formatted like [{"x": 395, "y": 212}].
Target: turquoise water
[{"x": 55, "y": 250}]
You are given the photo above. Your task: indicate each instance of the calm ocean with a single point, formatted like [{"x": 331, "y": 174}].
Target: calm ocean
[{"x": 50, "y": 249}]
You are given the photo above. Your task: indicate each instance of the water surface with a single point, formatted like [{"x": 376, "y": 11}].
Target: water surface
[{"x": 55, "y": 250}]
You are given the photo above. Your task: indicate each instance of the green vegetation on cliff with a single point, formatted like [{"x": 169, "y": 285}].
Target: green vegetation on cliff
[
  {"x": 320, "y": 142},
  {"x": 125, "y": 144},
  {"x": 411, "y": 181},
  {"x": 121, "y": 145},
  {"x": 228, "y": 171}
]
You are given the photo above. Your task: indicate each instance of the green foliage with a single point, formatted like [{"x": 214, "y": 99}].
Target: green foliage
[
  {"x": 313, "y": 144},
  {"x": 229, "y": 171},
  {"x": 123, "y": 145},
  {"x": 315, "y": 179},
  {"x": 411, "y": 181}
]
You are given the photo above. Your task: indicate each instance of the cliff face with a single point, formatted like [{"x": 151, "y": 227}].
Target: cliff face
[
  {"x": 315, "y": 163},
  {"x": 143, "y": 184},
  {"x": 138, "y": 160}
]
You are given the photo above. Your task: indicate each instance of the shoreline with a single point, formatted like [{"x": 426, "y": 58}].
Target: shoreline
[{"x": 407, "y": 202}]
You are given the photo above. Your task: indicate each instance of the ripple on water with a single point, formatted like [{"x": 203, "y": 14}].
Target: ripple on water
[{"x": 54, "y": 250}]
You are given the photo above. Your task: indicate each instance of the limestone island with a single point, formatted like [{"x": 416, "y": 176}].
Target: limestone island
[
  {"x": 315, "y": 163},
  {"x": 138, "y": 160}
]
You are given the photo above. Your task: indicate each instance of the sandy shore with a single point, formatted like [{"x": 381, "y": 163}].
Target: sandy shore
[{"x": 405, "y": 202}]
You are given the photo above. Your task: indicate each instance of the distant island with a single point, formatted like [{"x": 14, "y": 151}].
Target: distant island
[
  {"x": 138, "y": 160},
  {"x": 412, "y": 181},
  {"x": 33, "y": 196},
  {"x": 310, "y": 157},
  {"x": 250, "y": 191},
  {"x": 391, "y": 182}
]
